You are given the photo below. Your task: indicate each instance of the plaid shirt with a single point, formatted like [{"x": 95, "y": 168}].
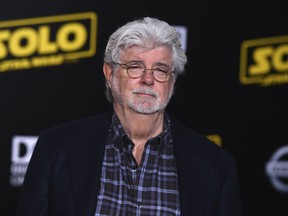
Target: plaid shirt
[{"x": 131, "y": 190}]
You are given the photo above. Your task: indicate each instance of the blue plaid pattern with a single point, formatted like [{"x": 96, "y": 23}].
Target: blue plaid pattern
[{"x": 148, "y": 189}]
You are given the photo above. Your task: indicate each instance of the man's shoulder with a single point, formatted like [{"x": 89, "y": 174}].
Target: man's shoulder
[
  {"x": 85, "y": 124},
  {"x": 189, "y": 138},
  {"x": 181, "y": 130}
]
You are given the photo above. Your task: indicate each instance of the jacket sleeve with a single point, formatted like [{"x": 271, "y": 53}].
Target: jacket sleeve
[{"x": 33, "y": 200}]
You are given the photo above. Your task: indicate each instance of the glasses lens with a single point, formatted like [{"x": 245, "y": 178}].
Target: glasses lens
[
  {"x": 161, "y": 74},
  {"x": 135, "y": 70}
]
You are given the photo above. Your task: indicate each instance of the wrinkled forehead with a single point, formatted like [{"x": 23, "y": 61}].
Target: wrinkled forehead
[{"x": 156, "y": 54}]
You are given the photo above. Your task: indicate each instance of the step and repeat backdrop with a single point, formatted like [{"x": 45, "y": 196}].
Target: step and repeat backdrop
[{"x": 234, "y": 91}]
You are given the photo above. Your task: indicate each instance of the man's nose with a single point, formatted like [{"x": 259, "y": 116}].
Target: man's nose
[{"x": 148, "y": 77}]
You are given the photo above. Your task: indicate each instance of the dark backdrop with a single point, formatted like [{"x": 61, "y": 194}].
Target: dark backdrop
[{"x": 220, "y": 95}]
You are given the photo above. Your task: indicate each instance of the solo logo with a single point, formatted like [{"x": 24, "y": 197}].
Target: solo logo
[
  {"x": 21, "y": 152},
  {"x": 47, "y": 41},
  {"x": 264, "y": 61}
]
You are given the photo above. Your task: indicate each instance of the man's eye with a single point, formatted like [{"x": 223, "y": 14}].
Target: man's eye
[
  {"x": 134, "y": 67},
  {"x": 162, "y": 70}
]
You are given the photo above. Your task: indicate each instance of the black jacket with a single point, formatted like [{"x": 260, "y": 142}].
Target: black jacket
[{"x": 63, "y": 175}]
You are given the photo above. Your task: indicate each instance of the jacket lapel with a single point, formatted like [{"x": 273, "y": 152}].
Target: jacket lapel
[
  {"x": 85, "y": 158},
  {"x": 190, "y": 173}
]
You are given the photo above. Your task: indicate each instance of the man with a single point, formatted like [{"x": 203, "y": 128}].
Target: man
[{"x": 134, "y": 159}]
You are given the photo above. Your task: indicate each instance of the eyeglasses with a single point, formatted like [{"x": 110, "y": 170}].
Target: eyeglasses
[{"x": 161, "y": 73}]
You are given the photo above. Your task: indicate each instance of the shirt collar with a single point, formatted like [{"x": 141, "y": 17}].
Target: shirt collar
[{"x": 120, "y": 133}]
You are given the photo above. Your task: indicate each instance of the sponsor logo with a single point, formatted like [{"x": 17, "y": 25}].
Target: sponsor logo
[
  {"x": 264, "y": 61},
  {"x": 277, "y": 169},
  {"x": 46, "y": 41},
  {"x": 22, "y": 149},
  {"x": 183, "y": 34},
  {"x": 215, "y": 138}
]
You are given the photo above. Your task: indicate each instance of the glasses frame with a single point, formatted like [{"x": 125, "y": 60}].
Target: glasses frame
[{"x": 126, "y": 67}]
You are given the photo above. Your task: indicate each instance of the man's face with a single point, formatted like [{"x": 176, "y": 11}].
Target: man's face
[{"x": 143, "y": 94}]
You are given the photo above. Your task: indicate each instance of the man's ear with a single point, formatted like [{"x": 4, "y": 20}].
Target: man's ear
[{"x": 107, "y": 70}]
